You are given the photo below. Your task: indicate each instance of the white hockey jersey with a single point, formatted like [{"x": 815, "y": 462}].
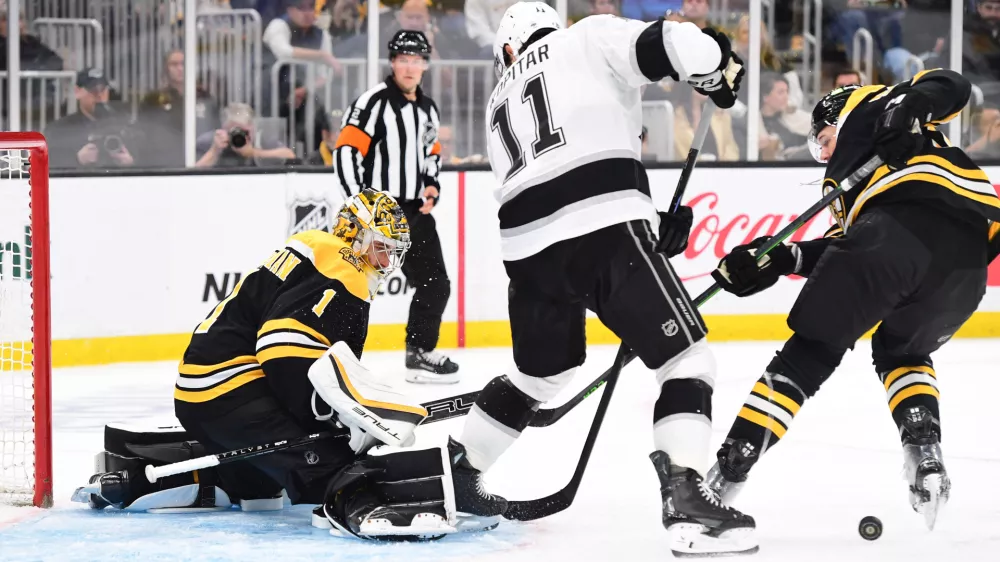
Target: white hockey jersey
[{"x": 564, "y": 125}]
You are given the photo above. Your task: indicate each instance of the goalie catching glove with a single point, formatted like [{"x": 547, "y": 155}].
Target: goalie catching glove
[
  {"x": 741, "y": 274},
  {"x": 362, "y": 401}
]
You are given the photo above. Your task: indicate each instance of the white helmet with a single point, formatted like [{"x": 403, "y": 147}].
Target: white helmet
[{"x": 519, "y": 22}]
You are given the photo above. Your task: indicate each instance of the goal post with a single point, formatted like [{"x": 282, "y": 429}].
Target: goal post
[{"x": 25, "y": 322}]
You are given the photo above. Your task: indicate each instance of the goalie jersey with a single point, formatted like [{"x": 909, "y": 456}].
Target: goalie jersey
[
  {"x": 940, "y": 175},
  {"x": 564, "y": 126},
  {"x": 262, "y": 338}
]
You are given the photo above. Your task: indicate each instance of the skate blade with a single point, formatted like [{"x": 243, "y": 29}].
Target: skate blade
[
  {"x": 690, "y": 540},
  {"x": 420, "y": 376},
  {"x": 937, "y": 487}
]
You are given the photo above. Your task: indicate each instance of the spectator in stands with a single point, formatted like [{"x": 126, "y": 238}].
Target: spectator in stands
[
  {"x": 97, "y": 135},
  {"x": 446, "y": 136},
  {"x": 783, "y": 130},
  {"x": 166, "y": 105},
  {"x": 482, "y": 18},
  {"x": 330, "y": 125},
  {"x": 981, "y": 43},
  {"x": 611, "y": 7},
  {"x": 34, "y": 54},
  {"x": 847, "y": 77},
  {"x": 645, "y": 10},
  {"x": 720, "y": 144},
  {"x": 448, "y": 42},
  {"x": 346, "y": 18},
  {"x": 295, "y": 36},
  {"x": 769, "y": 59},
  {"x": 884, "y": 20},
  {"x": 694, "y": 11},
  {"x": 237, "y": 145},
  {"x": 987, "y": 133}
]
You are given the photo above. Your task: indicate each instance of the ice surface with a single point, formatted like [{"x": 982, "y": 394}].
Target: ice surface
[{"x": 840, "y": 462}]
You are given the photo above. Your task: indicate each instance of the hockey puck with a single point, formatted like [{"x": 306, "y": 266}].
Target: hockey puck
[{"x": 870, "y": 528}]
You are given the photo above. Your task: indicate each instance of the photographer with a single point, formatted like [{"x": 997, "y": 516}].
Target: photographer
[
  {"x": 233, "y": 145},
  {"x": 96, "y": 135}
]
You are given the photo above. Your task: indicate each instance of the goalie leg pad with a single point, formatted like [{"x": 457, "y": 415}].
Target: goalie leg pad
[
  {"x": 401, "y": 496},
  {"x": 363, "y": 400}
]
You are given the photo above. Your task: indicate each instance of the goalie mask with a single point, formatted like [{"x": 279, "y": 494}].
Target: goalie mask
[
  {"x": 375, "y": 227},
  {"x": 827, "y": 114}
]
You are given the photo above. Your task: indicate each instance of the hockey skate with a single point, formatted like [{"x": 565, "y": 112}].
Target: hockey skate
[
  {"x": 930, "y": 486},
  {"x": 430, "y": 367},
  {"x": 729, "y": 474},
  {"x": 470, "y": 494},
  {"x": 698, "y": 522}
]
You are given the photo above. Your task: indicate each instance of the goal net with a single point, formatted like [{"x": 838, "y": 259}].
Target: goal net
[{"x": 25, "y": 434}]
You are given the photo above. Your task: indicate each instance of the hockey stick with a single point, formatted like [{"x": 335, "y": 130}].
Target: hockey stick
[
  {"x": 154, "y": 473},
  {"x": 554, "y": 503},
  {"x": 864, "y": 171}
]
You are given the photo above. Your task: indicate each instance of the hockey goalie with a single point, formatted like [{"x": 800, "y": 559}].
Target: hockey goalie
[{"x": 278, "y": 359}]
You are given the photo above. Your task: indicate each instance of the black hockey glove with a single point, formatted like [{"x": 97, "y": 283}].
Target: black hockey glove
[
  {"x": 740, "y": 274},
  {"x": 898, "y": 131},
  {"x": 722, "y": 84},
  {"x": 674, "y": 230}
]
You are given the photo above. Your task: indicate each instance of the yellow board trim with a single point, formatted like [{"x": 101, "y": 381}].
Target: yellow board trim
[
  {"x": 79, "y": 352},
  {"x": 763, "y": 421},
  {"x": 896, "y": 373},
  {"x": 198, "y": 396},
  {"x": 198, "y": 370},
  {"x": 285, "y": 351},
  {"x": 292, "y": 324},
  {"x": 912, "y": 391},
  {"x": 778, "y": 398},
  {"x": 416, "y": 410}
]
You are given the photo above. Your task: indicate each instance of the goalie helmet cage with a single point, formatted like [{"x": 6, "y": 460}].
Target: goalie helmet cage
[{"x": 25, "y": 342}]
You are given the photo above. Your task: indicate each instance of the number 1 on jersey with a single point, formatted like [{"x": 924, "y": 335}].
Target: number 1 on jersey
[{"x": 547, "y": 137}]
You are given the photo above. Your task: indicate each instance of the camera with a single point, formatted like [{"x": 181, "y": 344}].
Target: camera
[{"x": 238, "y": 137}]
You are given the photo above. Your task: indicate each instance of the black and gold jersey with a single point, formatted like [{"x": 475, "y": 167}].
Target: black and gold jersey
[
  {"x": 994, "y": 241},
  {"x": 941, "y": 173},
  {"x": 262, "y": 338}
]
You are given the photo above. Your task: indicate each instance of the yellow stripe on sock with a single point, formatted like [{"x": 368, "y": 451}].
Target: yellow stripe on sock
[
  {"x": 766, "y": 422},
  {"x": 912, "y": 391},
  {"x": 778, "y": 398},
  {"x": 896, "y": 373}
]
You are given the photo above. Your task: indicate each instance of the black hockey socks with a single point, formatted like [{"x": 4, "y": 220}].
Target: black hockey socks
[
  {"x": 795, "y": 374},
  {"x": 908, "y": 388}
]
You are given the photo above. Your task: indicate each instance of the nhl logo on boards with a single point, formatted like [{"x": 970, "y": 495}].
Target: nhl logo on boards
[
  {"x": 311, "y": 457},
  {"x": 309, "y": 214},
  {"x": 670, "y": 328}
]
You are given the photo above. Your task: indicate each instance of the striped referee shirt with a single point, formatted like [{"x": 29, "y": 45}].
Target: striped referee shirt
[{"x": 389, "y": 143}]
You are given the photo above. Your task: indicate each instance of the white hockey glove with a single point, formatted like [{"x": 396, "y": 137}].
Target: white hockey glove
[
  {"x": 363, "y": 401},
  {"x": 721, "y": 84}
]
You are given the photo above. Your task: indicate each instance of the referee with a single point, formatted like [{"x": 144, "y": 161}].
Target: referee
[{"x": 389, "y": 140}]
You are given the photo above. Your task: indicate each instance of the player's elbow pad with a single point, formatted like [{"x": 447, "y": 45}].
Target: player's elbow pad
[{"x": 677, "y": 50}]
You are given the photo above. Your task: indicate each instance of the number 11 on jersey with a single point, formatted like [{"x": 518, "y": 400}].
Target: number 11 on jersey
[{"x": 546, "y": 136}]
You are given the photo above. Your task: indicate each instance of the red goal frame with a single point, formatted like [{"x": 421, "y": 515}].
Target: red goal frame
[{"x": 38, "y": 161}]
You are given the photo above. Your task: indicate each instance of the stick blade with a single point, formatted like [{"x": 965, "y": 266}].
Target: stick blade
[{"x": 529, "y": 510}]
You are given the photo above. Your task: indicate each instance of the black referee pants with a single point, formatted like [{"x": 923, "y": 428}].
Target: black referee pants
[{"x": 424, "y": 269}]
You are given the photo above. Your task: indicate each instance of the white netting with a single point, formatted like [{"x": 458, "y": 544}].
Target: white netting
[{"x": 17, "y": 441}]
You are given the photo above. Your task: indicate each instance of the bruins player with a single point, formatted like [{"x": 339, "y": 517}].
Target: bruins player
[
  {"x": 910, "y": 250},
  {"x": 243, "y": 378}
]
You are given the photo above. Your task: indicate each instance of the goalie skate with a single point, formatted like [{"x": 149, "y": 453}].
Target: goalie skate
[{"x": 405, "y": 524}]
